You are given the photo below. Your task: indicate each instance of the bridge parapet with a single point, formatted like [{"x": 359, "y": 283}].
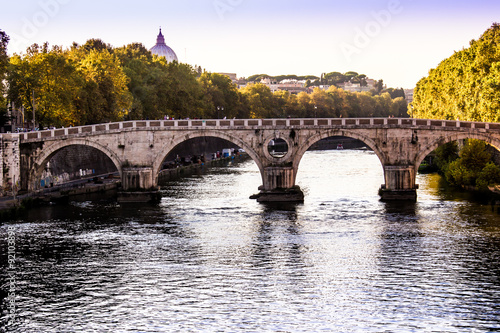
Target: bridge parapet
[
  {"x": 295, "y": 123},
  {"x": 400, "y": 144}
]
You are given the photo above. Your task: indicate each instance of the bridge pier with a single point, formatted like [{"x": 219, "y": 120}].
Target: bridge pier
[
  {"x": 399, "y": 183},
  {"x": 138, "y": 185},
  {"x": 279, "y": 186}
]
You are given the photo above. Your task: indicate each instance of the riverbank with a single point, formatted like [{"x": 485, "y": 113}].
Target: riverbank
[
  {"x": 181, "y": 171},
  {"x": 11, "y": 206}
]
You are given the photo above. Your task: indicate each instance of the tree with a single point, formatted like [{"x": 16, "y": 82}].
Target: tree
[
  {"x": 323, "y": 104},
  {"x": 335, "y": 78},
  {"x": 105, "y": 94},
  {"x": 368, "y": 104},
  {"x": 399, "y": 107},
  {"x": 474, "y": 163},
  {"x": 4, "y": 58},
  {"x": 47, "y": 77},
  {"x": 489, "y": 175},
  {"x": 474, "y": 155},
  {"x": 220, "y": 92},
  {"x": 183, "y": 94},
  {"x": 379, "y": 86},
  {"x": 305, "y": 108},
  {"x": 138, "y": 66},
  {"x": 260, "y": 101},
  {"x": 4, "y": 61},
  {"x": 256, "y": 77},
  {"x": 465, "y": 86},
  {"x": 96, "y": 44},
  {"x": 446, "y": 154}
]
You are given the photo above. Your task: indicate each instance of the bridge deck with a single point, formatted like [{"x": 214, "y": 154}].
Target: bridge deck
[{"x": 256, "y": 124}]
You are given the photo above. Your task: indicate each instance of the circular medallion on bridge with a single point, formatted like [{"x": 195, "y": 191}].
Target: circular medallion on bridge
[{"x": 277, "y": 148}]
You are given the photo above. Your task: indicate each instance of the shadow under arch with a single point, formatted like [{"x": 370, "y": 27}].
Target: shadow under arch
[
  {"x": 454, "y": 137},
  {"x": 50, "y": 151},
  {"x": 166, "y": 149},
  {"x": 343, "y": 133}
]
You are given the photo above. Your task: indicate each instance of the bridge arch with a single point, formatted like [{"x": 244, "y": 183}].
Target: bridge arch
[
  {"x": 326, "y": 134},
  {"x": 167, "y": 148},
  {"x": 454, "y": 137},
  {"x": 49, "y": 151}
]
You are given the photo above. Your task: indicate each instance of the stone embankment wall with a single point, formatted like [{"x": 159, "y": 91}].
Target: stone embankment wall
[
  {"x": 73, "y": 158},
  {"x": 199, "y": 146},
  {"x": 79, "y": 161}
]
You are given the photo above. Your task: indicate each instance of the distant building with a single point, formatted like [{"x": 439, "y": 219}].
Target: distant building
[
  {"x": 353, "y": 87},
  {"x": 356, "y": 87},
  {"x": 15, "y": 120},
  {"x": 239, "y": 82},
  {"x": 292, "y": 86},
  {"x": 409, "y": 95},
  {"x": 163, "y": 50},
  {"x": 232, "y": 76}
]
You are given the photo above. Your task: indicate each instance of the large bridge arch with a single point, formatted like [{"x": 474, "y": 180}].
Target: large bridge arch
[
  {"x": 49, "y": 151},
  {"x": 454, "y": 137},
  {"x": 326, "y": 134},
  {"x": 167, "y": 148}
]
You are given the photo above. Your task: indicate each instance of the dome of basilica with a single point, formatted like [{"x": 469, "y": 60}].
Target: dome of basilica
[{"x": 163, "y": 50}]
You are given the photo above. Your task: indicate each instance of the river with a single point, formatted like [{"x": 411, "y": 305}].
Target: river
[{"x": 209, "y": 259}]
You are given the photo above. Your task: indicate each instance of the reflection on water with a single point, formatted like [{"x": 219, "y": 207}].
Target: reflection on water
[{"x": 207, "y": 258}]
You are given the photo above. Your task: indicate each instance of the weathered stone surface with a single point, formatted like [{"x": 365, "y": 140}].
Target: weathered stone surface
[
  {"x": 400, "y": 144},
  {"x": 138, "y": 179},
  {"x": 293, "y": 194}
]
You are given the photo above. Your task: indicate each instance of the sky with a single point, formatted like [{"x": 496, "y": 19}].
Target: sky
[{"x": 398, "y": 41}]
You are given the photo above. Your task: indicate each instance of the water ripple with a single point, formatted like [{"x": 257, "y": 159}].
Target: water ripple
[{"x": 208, "y": 259}]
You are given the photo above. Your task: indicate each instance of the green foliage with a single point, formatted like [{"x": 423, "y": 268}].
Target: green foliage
[
  {"x": 105, "y": 96},
  {"x": 472, "y": 168},
  {"x": 49, "y": 77},
  {"x": 474, "y": 155},
  {"x": 94, "y": 83},
  {"x": 220, "y": 91},
  {"x": 458, "y": 175},
  {"x": 96, "y": 44},
  {"x": 489, "y": 175},
  {"x": 4, "y": 61},
  {"x": 395, "y": 93},
  {"x": 182, "y": 92},
  {"x": 258, "y": 77},
  {"x": 446, "y": 154},
  {"x": 465, "y": 86},
  {"x": 260, "y": 100}
]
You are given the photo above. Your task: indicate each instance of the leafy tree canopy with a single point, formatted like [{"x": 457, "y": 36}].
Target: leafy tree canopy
[
  {"x": 465, "y": 86},
  {"x": 95, "y": 82}
]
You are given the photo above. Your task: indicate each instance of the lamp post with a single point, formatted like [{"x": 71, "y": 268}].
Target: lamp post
[
  {"x": 219, "y": 108},
  {"x": 34, "y": 123},
  {"x": 315, "y": 109}
]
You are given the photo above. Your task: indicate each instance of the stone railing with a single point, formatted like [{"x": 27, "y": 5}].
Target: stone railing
[{"x": 253, "y": 124}]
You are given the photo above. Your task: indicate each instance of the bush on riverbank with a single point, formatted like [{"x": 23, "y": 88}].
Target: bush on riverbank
[{"x": 472, "y": 168}]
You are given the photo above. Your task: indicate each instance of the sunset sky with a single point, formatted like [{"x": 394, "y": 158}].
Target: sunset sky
[{"x": 396, "y": 40}]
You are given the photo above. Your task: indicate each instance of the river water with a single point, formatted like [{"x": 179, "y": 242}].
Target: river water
[{"x": 209, "y": 259}]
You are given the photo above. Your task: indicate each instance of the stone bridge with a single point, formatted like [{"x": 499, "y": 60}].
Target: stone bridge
[{"x": 138, "y": 148}]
